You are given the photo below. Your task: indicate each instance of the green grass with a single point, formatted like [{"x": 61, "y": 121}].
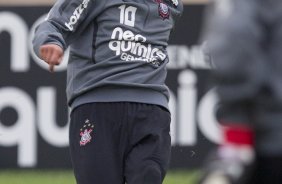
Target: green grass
[
  {"x": 66, "y": 177},
  {"x": 181, "y": 177}
]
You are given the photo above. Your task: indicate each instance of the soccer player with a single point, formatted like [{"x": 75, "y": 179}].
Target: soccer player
[
  {"x": 245, "y": 40},
  {"x": 120, "y": 122}
]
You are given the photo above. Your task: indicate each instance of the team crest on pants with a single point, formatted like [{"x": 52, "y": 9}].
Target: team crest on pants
[{"x": 85, "y": 133}]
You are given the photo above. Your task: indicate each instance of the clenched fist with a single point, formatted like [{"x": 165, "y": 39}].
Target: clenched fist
[{"x": 51, "y": 54}]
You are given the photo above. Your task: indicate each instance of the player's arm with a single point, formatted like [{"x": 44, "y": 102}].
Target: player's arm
[{"x": 64, "y": 22}]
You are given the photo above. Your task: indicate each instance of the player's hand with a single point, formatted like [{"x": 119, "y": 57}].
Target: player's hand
[{"x": 52, "y": 54}]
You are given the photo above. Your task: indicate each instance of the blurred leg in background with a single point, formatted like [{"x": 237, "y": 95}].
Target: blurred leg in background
[{"x": 244, "y": 39}]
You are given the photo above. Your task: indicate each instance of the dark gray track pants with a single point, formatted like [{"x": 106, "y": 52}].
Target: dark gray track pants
[{"x": 114, "y": 143}]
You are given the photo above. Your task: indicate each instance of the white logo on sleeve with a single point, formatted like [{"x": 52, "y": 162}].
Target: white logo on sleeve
[
  {"x": 174, "y": 2},
  {"x": 76, "y": 14}
]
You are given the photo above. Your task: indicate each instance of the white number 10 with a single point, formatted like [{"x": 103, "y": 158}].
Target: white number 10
[{"x": 127, "y": 15}]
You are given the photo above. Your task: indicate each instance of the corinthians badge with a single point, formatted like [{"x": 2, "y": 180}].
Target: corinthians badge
[
  {"x": 163, "y": 9},
  {"x": 85, "y": 133}
]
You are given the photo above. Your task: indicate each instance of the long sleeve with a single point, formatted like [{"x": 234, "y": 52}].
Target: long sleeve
[{"x": 65, "y": 22}]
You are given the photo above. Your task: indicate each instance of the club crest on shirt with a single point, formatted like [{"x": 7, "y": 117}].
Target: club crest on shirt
[
  {"x": 85, "y": 133},
  {"x": 163, "y": 10}
]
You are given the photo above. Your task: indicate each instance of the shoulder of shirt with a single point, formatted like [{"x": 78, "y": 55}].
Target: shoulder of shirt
[{"x": 175, "y": 4}]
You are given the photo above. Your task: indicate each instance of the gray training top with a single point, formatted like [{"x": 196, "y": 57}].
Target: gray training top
[{"x": 117, "y": 48}]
